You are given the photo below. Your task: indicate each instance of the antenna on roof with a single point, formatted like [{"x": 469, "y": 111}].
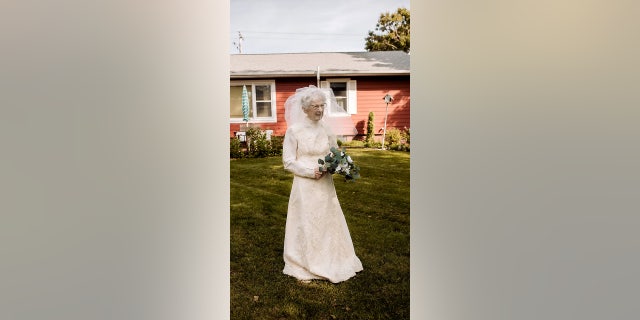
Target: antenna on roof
[{"x": 239, "y": 43}]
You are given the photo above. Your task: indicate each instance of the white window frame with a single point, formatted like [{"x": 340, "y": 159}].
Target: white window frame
[
  {"x": 251, "y": 87},
  {"x": 352, "y": 97}
]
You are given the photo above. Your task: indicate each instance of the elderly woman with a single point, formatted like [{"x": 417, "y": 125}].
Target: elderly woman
[{"x": 317, "y": 243}]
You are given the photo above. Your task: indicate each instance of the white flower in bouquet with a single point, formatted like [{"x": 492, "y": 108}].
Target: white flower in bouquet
[{"x": 338, "y": 161}]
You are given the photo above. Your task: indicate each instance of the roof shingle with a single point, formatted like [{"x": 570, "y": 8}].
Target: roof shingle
[{"x": 329, "y": 63}]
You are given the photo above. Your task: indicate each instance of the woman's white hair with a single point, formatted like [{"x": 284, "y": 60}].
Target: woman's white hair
[{"x": 307, "y": 99}]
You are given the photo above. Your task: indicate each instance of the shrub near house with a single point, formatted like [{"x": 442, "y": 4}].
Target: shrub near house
[{"x": 256, "y": 146}]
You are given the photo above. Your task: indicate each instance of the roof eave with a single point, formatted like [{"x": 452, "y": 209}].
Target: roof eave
[{"x": 322, "y": 74}]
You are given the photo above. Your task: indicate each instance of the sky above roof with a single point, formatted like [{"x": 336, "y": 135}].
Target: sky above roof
[{"x": 289, "y": 26}]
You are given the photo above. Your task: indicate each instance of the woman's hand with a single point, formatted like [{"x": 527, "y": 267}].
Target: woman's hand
[{"x": 319, "y": 174}]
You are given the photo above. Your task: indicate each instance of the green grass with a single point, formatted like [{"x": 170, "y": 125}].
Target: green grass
[{"x": 376, "y": 207}]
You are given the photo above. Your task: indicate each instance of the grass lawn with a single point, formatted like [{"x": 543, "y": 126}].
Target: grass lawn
[{"x": 376, "y": 207}]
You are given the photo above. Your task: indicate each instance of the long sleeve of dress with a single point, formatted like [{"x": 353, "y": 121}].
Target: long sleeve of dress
[{"x": 290, "y": 158}]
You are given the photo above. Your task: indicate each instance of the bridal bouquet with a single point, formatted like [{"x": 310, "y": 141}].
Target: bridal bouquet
[{"x": 338, "y": 161}]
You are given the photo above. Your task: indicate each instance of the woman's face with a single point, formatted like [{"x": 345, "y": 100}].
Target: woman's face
[{"x": 315, "y": 111}]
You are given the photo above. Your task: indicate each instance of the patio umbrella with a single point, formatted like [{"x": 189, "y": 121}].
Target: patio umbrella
[{"x": 245, "y": 105}]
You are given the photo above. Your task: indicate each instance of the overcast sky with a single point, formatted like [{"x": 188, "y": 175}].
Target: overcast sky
[{"x": 286, "y": 26}]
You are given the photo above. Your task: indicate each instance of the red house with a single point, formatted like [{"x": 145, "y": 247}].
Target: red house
[{"x": 360, "y": 81}]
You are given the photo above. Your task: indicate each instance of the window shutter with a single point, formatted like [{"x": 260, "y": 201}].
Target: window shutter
[{"x": 352, "y": 97}]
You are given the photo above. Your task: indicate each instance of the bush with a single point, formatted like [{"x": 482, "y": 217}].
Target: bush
[
  {"x": 396, "y": 139},
  {"x": 257, "y": 145},
  {"x": 392, "y": 136},
  {"x": 276, "y": 146},
  {"x": 370, "y": 133},
  {"x": 407, "y": 135},
  {"x": 373, "y": 144},
  {"x": 235, "y": 148}
]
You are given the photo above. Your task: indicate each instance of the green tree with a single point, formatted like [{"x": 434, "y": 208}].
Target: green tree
[{"x": 392, "y": 32}]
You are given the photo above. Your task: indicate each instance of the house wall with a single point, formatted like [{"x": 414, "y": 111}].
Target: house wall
[{"x": 370, "y": 94}]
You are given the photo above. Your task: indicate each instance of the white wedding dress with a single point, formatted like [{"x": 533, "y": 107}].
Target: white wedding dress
[{"x": 317, "y": 243}]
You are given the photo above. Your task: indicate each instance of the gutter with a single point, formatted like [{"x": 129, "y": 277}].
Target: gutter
[{"x": 314, "y": 74}]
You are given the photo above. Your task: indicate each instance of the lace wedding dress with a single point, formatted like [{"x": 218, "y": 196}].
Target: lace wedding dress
[{"x": 317, "y": 243}]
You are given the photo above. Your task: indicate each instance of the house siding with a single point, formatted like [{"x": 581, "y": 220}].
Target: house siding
[{"x": 370, "y": 93}]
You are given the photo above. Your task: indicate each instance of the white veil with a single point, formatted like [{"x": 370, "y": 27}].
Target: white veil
[{"x": 335, "y": 119}]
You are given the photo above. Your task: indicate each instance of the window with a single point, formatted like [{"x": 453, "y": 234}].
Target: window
[
  {"x": 262, "y": 102},
  {"x": 345, "y": 93}
]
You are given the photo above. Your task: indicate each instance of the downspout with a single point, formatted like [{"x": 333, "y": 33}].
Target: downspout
[{"x": 318, "y": 77}]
